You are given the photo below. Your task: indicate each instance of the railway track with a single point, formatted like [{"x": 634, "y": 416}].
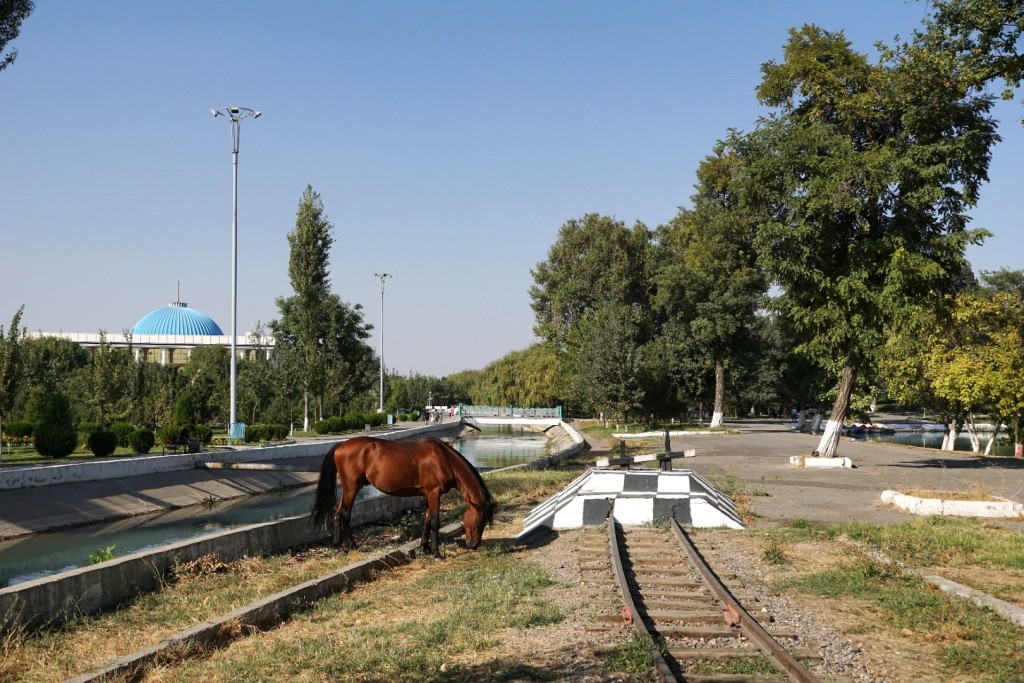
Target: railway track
[{"x": 700, "y": 631}]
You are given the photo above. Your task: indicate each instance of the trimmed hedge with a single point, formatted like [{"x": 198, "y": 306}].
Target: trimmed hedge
[
  {"x": 102, "y": 443},
  {"x": 123, "y": 430},
  {"x": 19, "y": 429},
  {"x": 141, "y": 441},
  {"x": 265, "y": 432},
  {"x": 55, "y": 433}
]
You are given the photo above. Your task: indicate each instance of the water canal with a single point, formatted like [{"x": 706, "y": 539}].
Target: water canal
[{"x": 38, "y": 555}]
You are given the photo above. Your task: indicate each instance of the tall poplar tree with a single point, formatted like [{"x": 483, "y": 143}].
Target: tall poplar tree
[{"x": 305, "y": 315}]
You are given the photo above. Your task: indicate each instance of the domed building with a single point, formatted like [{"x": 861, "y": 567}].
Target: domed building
[{"x": 167, "y": 336}]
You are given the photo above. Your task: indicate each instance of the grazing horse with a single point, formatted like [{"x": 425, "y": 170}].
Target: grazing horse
[{"x": 425, "y": 467}]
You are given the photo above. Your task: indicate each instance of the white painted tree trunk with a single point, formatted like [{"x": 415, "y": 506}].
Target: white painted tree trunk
[
  {"x": 829, "y": 444},
  {"x": 816, "y": 423},
  {"x": 972, "y": 433},
  {"x": 305, "y": 412},
  {"x": 952, "y": 431},
  {"x": 719, "y": 412},
  {"x": 992, "y": 439},
  {"x": 801, "y": 420}
]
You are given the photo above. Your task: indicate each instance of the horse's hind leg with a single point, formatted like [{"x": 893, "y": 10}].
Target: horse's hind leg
[{"x": 343, "y": 518}]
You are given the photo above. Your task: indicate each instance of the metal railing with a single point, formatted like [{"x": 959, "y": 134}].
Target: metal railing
[{"x": 508, "y": 411}]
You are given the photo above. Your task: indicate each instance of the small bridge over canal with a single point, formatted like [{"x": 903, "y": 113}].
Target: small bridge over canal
[{"x": 475, "y": 416}]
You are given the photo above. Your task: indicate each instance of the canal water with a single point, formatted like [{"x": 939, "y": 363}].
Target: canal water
[
  {"x": 38, "y": 555},
  {"x": 933, "y": 439}
]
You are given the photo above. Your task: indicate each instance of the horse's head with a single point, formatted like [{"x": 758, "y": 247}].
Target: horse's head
[{"x": 476, "y": 517}]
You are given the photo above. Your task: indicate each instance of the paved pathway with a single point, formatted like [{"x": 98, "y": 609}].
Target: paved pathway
[{"x": 758, "y": 457}]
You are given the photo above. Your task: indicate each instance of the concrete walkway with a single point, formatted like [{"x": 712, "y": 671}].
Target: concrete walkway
[{"x": 756, "y": 461}]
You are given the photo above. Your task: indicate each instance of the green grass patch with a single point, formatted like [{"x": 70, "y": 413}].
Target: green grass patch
[
  {"x": 971, "y": 641},
  {"x": 408, "y": 633},
  {"x": 943, "y": 541},
  {"x": 746, "y": 666},
  {"x": 632, "y": 657}
]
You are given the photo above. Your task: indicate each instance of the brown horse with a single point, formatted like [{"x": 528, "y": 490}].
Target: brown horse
[{"x": 425, "y": 467}]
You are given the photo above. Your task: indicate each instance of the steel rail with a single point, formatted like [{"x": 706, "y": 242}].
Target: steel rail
[
  {"x": 664, "y": 672},
  {"x": 753, "y": 630}
]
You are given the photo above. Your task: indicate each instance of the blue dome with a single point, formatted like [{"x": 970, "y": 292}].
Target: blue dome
[{"x": 178, "y": 319}]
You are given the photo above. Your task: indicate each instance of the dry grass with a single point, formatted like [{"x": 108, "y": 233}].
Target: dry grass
[{"x": 974, "y": 494}]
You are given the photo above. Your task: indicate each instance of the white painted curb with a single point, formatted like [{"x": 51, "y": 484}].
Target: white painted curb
[
  {"x": 953, "y": 508},
  {"x": 805, "y": 461}
]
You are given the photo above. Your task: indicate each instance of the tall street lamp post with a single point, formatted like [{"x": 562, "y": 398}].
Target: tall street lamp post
[
  {"x": 383, "y": 277},
  {"x": 235, "y": 115}
]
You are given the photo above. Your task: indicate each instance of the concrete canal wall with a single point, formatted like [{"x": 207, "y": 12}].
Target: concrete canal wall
[{"x": 132, "y": 466}]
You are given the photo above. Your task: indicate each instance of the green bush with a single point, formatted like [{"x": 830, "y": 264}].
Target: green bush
[
  {"x": 122, "y": 430},
  {"x": 102, "y": 443},
  {"x": 202, "y": 433},
  {"x": 402, "y": 417},
  {"x": 168, "y": 433},
  {"x": 253, "y": 433},
  {"x": 19, "y": 429},
  {"x": 352, "y": 421},
  {"x": 322, "y": 427},
  {"x": 55, "y": 433},
  {"x": 141, "y": 441}
]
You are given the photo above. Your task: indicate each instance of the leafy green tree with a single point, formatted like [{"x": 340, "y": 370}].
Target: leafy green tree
[
  {"x": 863, "y": 176},
  {"x": 605, "y": 347},
  {"x": 595, "y": 260},
  {"x": 205, "y": 379},
  {"x": 256, "y": 375},
  {"x": 307, "y": 314},
  {"x": 975, "y": 41},
  {"x": 111, "y": 380},
  {"x": 352, "y": 368},
  {"x": 12, "y": 13},
  {"x": 10, "y": 364},
  {"x": 708, "y": 281}
]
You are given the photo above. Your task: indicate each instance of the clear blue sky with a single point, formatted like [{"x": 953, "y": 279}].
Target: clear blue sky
[{"x": 448, "y": 140}]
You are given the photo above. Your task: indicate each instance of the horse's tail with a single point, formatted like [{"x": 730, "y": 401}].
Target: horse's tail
[{"x": 326, "y": 491}]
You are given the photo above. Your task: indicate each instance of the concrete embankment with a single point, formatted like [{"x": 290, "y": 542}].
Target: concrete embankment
[
  {"x": 90, "y": 589},
  {"x": 42, "y": 498}
]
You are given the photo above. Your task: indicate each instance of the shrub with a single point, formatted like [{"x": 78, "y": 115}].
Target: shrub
[
  {"x": 352, "y": 421},
  {"x": 276, "y": 432},
  {"x": 253, "y": 433},
  {"x": 55, "y": 433},
  {"x": 403, "y": 417},
  {"x": 322, "y": 427},
  {"x": 122, "y": 430},
  {"x": 168, "y": 433},
  {"x": 19, "y": 429},
  {"x": 202, "y": 433},
  {"x": 102, "y": 443},
  {"x": 141, "y": 441}
]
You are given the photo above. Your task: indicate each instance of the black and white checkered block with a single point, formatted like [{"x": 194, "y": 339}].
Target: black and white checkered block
[{"x": 635, "y": 497}]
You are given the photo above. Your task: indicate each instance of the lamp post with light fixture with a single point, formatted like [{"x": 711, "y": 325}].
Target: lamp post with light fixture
[
  {"x": 383, "y": 277},
  {"x": 235, "y": 115}
]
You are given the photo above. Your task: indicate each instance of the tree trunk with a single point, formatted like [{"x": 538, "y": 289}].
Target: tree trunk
[
  {"x": 972, "y": 432},
  {"x": 992, "y": 439},
  {"x": 953, "y": 429},
  {"x": 829, "y": 443},
  {"x": 719, "y": 414},
  {"x": 305, "y": 411}
]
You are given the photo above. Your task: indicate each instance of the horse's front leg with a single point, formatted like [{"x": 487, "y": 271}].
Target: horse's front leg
[
  {"x": 431, "y": 526},
  {"x": 435, "y": 528}
]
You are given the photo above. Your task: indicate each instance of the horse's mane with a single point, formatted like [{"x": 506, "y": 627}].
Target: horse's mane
[{"x": 475, "y": 473}]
